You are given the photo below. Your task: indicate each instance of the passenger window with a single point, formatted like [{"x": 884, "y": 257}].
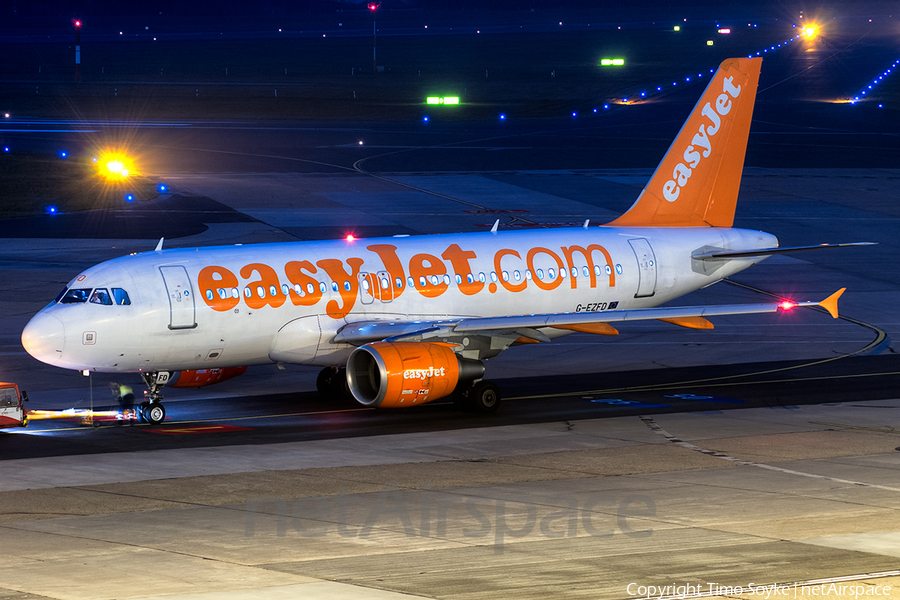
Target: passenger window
[
  {"x": 76, "y": 296},
  {"x": 101, "y": 296},
  {"x": 322, "y": 287},
  {"x": 399, "y": 283},
  {"x": 334, "y": 286},
  {"x": 619, "y": 269},
  {"x": 481, "y": 277},
  {"x": 493, "y": 275}
]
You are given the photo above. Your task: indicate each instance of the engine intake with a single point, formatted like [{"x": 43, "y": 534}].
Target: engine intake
[{"x": 400, "y": 374}]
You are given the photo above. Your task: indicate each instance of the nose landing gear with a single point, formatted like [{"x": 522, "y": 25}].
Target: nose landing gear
[{"x": 152, "y": 410}]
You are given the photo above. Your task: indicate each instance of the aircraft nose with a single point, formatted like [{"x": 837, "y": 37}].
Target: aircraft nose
[{"x": 44, "y": 338}]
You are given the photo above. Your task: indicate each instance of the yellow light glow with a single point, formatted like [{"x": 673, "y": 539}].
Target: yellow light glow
[
  {"x": 810, "y": 31},
  {"x": 115, "y": 166}
]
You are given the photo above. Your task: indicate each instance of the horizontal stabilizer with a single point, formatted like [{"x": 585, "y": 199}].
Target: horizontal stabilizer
[{"x": 728, "y": 254}]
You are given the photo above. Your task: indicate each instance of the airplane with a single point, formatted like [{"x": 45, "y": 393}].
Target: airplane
[{"x": 404, "y": 320}]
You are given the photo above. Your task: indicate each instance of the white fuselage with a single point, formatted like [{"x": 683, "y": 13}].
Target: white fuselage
[{"x": 195, "y": 308}]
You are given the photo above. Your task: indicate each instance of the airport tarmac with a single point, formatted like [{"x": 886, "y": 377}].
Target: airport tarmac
[
  {"x": 566, "y": 508},
  {"x": 597, "y": 508}
]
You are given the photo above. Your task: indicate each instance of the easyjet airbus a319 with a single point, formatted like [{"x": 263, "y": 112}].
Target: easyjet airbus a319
[{"x": 406, "y": 320}]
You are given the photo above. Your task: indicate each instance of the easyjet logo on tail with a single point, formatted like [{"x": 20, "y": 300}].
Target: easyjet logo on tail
[{"x": 701, "y": 145}]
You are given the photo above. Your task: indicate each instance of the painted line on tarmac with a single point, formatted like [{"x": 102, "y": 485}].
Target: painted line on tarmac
[
  {"x": 655, "y": 427},
  {"x": 713, "y": 382},
  {"x": 876, "y": 429},
  {"x": 219, "y": 420}
]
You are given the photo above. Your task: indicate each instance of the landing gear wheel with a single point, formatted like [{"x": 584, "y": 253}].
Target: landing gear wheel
[
  {"x": 155, "y": 413},
  {"x": 484, "y": 397},
  {"x": 332, "y": 384}
]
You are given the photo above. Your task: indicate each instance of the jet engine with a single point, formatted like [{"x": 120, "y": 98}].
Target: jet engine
[
  {"x": 204, "y": 377},
  {"x": 400, "y": 374}
]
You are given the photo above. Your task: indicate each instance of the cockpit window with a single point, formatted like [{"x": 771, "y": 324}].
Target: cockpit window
[
  {"x": 60, "y": 295},
  {"x": 120, "y": 297},
  {"x": 76, "y": 296},
  {"x": 101, "y": 296}
]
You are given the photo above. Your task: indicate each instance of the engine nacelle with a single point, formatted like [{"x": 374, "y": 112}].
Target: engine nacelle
[
  {"x": 204, "y": 377},
  {"x": 399, "y": 374}
]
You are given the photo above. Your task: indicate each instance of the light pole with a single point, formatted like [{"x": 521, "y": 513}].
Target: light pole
[{"x": 374, "y": 6}]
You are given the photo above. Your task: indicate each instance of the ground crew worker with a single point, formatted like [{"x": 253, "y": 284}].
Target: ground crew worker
[{"x": 126, "y": 402}]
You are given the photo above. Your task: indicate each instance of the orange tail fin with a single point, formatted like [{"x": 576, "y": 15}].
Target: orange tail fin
[{"x": 697, "y": 182}]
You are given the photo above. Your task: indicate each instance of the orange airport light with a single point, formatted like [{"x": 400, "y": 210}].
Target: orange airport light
[{"x": 115, "y": 166}]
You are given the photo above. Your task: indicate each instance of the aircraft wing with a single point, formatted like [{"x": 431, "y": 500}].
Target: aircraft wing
[{"x": 689, "y": 316}]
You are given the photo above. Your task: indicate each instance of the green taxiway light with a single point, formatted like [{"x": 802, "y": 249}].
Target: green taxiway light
[
  {"x": 615, "y": 62},
  {"x": 442, "y": 100}
]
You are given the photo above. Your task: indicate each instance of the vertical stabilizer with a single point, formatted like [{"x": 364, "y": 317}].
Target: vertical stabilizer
[{"x": 697, "y": 182}]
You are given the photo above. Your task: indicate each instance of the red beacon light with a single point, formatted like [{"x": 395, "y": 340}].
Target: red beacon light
[
  {"x": 77, "y": 23},
  {"x": 373, "y": 6},
  {"x": 350, "y": 237}
]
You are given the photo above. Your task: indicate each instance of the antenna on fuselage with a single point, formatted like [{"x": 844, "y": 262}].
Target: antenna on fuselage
[
  {"x": 159, "y": 245},
  {"x": 495, "y": 227},
  {"x": 586, "y": 223}
]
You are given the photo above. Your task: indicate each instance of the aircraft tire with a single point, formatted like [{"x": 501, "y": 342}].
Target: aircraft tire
[
  {"x": 155, "y": 413},
  {"x": 484, "y": 397},
  {"x": 332, "y": 384}
]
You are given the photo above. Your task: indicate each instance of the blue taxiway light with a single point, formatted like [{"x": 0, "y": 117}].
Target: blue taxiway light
[
  {"x": 129, "y": 197},
  {"x": 162, "y": 187},
  {"x": 63, "y": 154},
  {"x": 51, "y": 210}
]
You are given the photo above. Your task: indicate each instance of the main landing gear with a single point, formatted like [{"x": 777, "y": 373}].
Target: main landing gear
[
  {"x": 332, "y": 384},
  {"x": 152, "y": 410},
  {"x": 481, "y": 396}
]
